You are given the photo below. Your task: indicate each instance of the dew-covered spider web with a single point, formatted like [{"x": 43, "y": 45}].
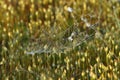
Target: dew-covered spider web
[{"x": 68, "y": 39}]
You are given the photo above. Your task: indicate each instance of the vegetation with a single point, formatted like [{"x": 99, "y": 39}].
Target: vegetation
[{"x": 59, "y": 39}]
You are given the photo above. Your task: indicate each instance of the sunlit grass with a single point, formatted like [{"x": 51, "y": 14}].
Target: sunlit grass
[{"x": 59, "y": 40}]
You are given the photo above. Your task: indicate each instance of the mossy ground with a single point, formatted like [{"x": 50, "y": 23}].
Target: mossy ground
[{"x": 27, "y": 26}]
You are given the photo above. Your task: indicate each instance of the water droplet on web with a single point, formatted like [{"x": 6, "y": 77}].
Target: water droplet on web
[{"x": 69, "y": 9}]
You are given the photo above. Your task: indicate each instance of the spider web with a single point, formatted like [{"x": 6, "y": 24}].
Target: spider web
[{"x": 71, "y": 38}]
